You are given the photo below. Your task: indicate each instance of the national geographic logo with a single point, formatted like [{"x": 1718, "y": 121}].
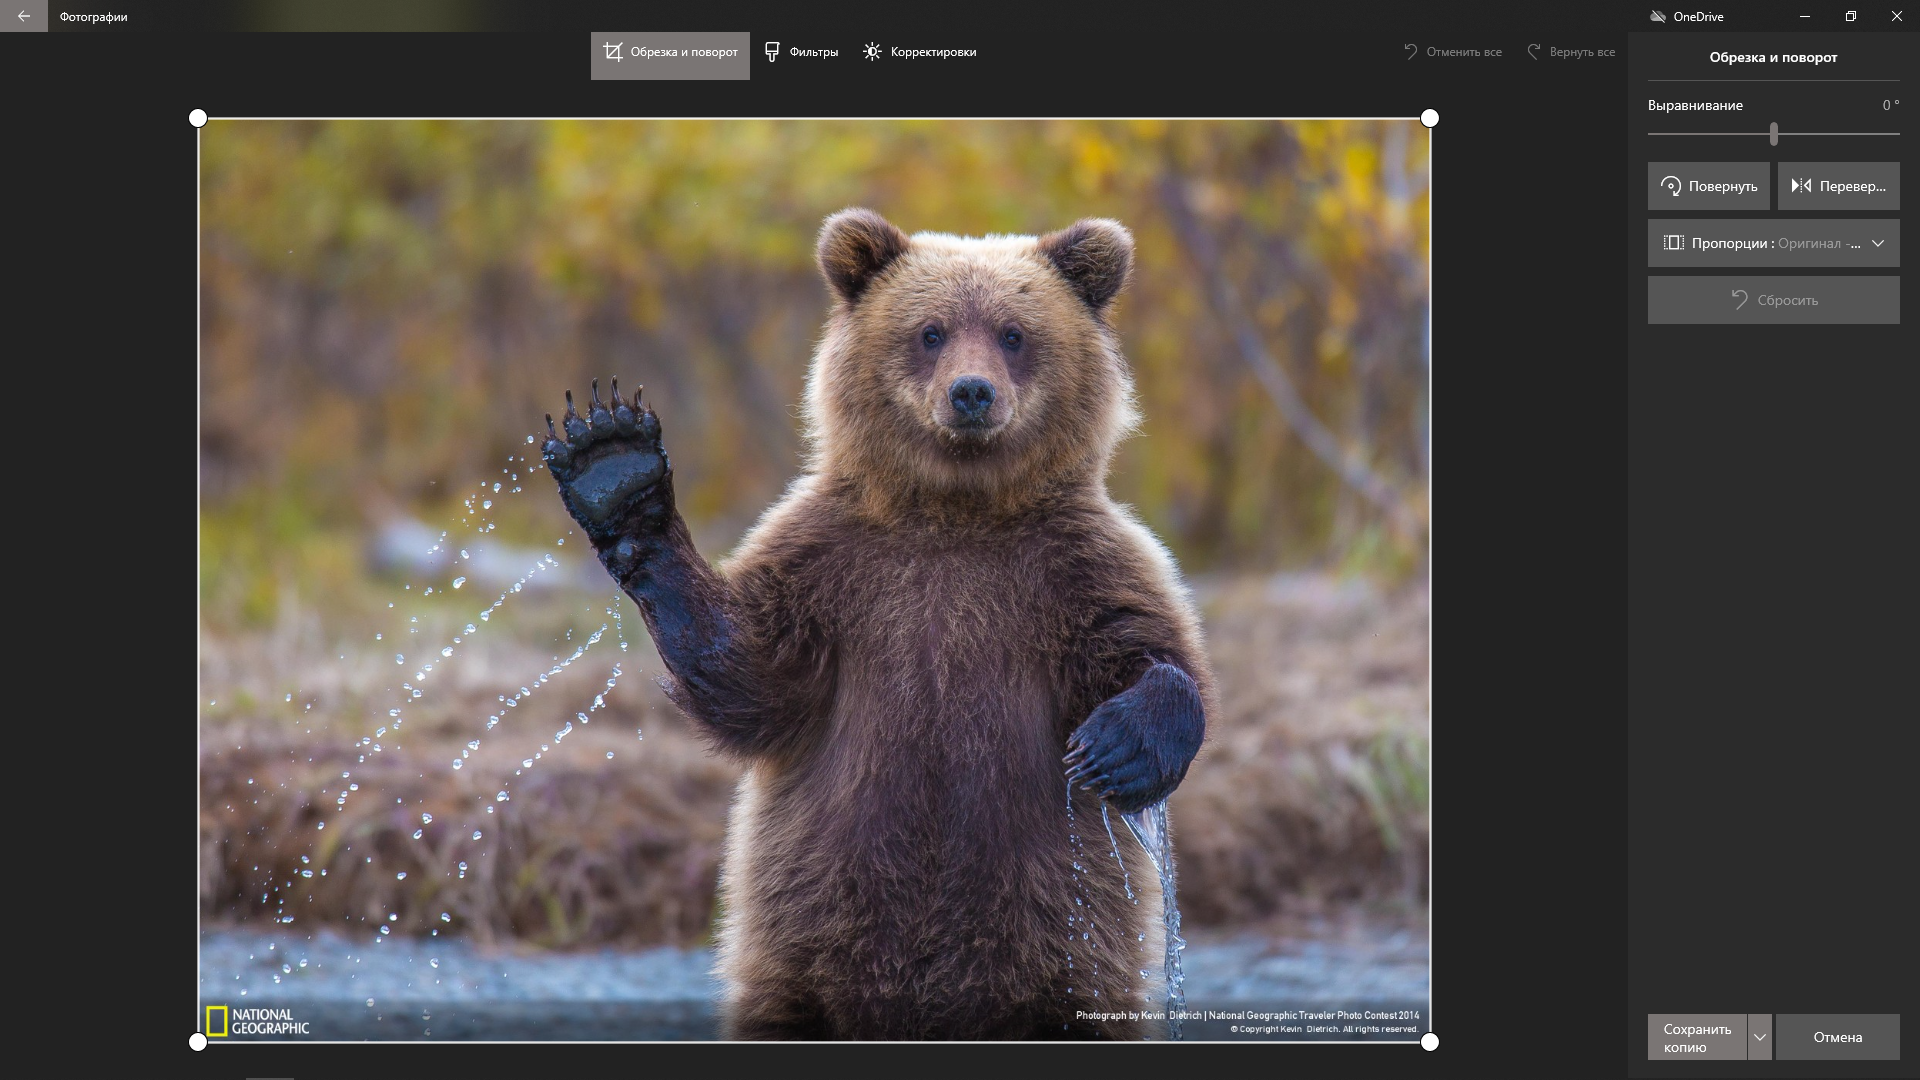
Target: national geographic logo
[{"x": 223, "y": 1021}]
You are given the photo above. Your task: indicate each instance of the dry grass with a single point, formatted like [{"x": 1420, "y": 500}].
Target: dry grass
[
  {"x": 1312, "y": 786},
  {"x": 1310, "y": 790}
]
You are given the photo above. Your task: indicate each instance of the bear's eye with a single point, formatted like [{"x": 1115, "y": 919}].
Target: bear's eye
[
  {"x": 931, "y": 337},
  {"x": 1011, "y": 338}
]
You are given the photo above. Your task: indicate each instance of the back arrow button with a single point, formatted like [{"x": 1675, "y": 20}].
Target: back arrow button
[{"x": 31, "y": 16}]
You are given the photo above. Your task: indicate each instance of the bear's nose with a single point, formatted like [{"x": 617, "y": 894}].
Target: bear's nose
[{"x": 971, "y": 396}]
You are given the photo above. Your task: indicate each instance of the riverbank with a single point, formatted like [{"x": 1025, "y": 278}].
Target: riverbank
[{"x": 452, "y": 989}]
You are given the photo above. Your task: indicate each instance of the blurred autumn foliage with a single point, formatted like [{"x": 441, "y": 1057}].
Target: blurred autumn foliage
[{"x": 390, "y": 306}]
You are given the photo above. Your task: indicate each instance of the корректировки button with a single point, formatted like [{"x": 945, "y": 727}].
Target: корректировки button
[
  {"x": 1765, "y": 300},
  {"x": 1708, "y": 185},
  {"x": 1838, "y": 1037}
]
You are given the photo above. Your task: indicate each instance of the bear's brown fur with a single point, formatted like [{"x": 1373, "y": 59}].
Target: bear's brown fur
[
  {"x": 910, "y": 873},
  {"x": 904, "y": 646}
]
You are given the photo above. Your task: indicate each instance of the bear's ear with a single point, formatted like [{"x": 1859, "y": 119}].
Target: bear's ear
[
  {"x": 1095, "y": 255},
  {"x": 855, "y": 245}
]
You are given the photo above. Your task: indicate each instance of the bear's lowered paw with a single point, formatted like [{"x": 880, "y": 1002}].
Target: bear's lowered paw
[
  {"x": 1135, "y": 748},
  {"x": 614, "y": 476}
]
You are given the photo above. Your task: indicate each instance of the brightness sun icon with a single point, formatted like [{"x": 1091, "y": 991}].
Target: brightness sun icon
[{"x": 873, "y": 50}]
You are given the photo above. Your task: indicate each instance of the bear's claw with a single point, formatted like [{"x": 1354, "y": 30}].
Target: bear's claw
[{"x": 613, "y": 473}]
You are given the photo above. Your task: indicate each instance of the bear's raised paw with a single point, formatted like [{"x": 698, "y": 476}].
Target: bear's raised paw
[{"x": 613, "y": 473}]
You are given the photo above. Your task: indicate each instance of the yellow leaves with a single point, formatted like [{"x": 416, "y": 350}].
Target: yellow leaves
[
  {"x": 1094, "y": 160},
  {"x": 357, "y": 269},
  {"x": 1361, "y": 165},
  {"x": 1343, "y": 308}
]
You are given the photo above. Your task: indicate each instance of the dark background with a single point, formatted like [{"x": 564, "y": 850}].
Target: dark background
[{"x": 1532, "y": 866}]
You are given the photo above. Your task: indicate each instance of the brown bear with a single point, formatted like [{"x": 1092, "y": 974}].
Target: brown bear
[{"x": 941, "y": 655}]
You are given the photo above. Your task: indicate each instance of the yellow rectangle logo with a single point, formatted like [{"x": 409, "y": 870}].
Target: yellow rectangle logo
[{"x": 221, "y": 1033}]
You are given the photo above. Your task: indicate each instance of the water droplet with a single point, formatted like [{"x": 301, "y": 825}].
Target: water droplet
[
  {"x": 496, "y": 483},
  {"x": 435, "y": 962},
  {"x": 321, "y": 825},
  {"x": 399, "y": 658},
  {"x": 448, "y": 651},
  {"x": 401, "y": 876},
  {"x": 289, "y": 697},
  {"x": 502, "y": 797},
  {"x": 463, "y": 554},
  {"x": 609, "y": 755},
  {"x": 377, "y": 637},
  {"x": 416, "y": 836},
  {"x": 476, "y": 834},
  {"x": 459, "y": 581},
  {"x": 444, "y": 917},
  {"x": 486, "y": 504}
]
